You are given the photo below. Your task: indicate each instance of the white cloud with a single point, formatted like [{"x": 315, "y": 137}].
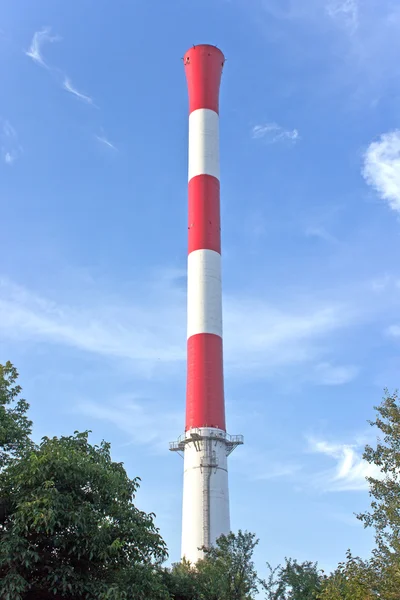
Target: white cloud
[
  {"x": 149, "y": 328},
  {"x": 34, "y": 52},
  {"x": 347, "y": 11},
  {"x": 261, "y": 466},
  {"x": 40, "y": 38},
  {"x": 135, "y": 417},
  {"x": 276, "y": 471},
  {"x": 67, "y": 85},
  {"x": 341, "y": 11},
  {"x": 291, "y": 9},
  {"x": 351, "y": 470},
  {"x": 263, "y": 338},
  {"x": 103, "y": 140},
  {"x": 9, "y": 131},
  {"x": 393, "y": 331},
  {"x": 144, "y": 334},
  {"x": 10, "y": 147},
  {"x": 384, "y": 283},
  {"x": 328, "y": 374},
  {"x": 272, "y": 132},
  {"x": 359, "y": 47},
  {"x": 9, "y": 158},
  {"x": 382, "y": 167},
  {"x": 320, "y": 233}
]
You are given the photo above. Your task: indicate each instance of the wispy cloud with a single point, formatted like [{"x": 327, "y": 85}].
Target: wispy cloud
[
  {"x": 393, "y": 331},
  {"x": 10, "y": 147},
  {"x": 38, "y": 40},
  {"x": 35, "y": 52},
  {"x": 320, "y": 233},
  {"x": 382, "y": 168},
  {"x": 135, "y": 418},
  {"x": 103, "y": 140},
  {"x": 285, "y": 10},
  {"x": 67, "y": 85},
  {"x": 9, "y": 131},
  {"x": 350, "y": 471},
  {"x": 260, "y": 339},
  {"x": 326, "y": 373},
  {"x": 346, "y": 11},
  {"x": 342, "y": 11},
  {"x": 9, "y": 158},
  {"x": 363, "y": 33},
  {"x": 278, "y": 470},
  {"x": 106, "y": 328},
  {"x": 263, "y": 338},
  {"x": 385, "y": 283},
  {"x": 261, "y": 466},
  {"x": 146, "y": 327},
  {"x": 272, "y": 132}
]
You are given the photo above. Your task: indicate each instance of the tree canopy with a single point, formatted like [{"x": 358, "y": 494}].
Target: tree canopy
[
  {"x": 15, "y": 427},
  {"x": 69, "y": 527},
  {"x": 228, "y": 567},
  {"x": 352, "y": 580},
  {"x": 226, "y": 572},
  {"x": 385, "y": 489},
  {"x": 293, "y": 581},
  {"x": 72, "y": 528}
]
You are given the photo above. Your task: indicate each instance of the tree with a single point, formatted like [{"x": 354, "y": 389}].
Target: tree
[
  {"x": 386, "y": 575},
  {"x": 183, "y": 581},
  {"x": 293, "y": 581},
  {"x": 15, "y": 427},
  {"x": 73, "y": 531},
  {"x": 385, "y": 487},
  {"x": 353, "y": 579},
  {"x": 225, "y": 573},
  {"x": 227, "y": 570},
  {"x": 379, "y": 577}
]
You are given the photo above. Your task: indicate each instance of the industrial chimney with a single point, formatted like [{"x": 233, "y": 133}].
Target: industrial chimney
[{"x": 205, "y": 445}]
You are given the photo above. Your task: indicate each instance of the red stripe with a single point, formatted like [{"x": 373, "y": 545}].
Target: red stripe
[
  {"x": 205, "y": 382},
  {"x": 203, "y": 66},
  {"x": 204, "y": 223}
]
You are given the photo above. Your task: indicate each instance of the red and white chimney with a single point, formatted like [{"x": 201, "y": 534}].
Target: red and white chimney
[{"x": 205, "y": 444}]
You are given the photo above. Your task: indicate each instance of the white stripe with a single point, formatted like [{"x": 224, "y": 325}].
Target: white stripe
[
  {"x": 203, "y": 143},
  {"x": 204, "y": 293}
]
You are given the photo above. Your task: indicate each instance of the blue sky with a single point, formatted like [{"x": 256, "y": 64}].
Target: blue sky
[{"x": 93, "y": 171}]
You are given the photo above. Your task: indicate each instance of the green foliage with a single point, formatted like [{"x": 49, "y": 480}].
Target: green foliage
[
  {"x": 183, "y": 582},
  {"x": 385, "y": 491},
  {"x": 353, "y": 579},
  {"x": 69, "y": 528},
  {"x": 293, "y": 581},
  {"x": 386, "y": 575},
  {"x": 379, "y": 577},
  {"x": 227, "y": 571},
  {"x": 15, "y": 427},
  {"x": 73, "y": 531}
]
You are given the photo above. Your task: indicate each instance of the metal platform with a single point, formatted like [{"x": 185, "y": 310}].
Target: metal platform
[{"x": 196, "y": 435}]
